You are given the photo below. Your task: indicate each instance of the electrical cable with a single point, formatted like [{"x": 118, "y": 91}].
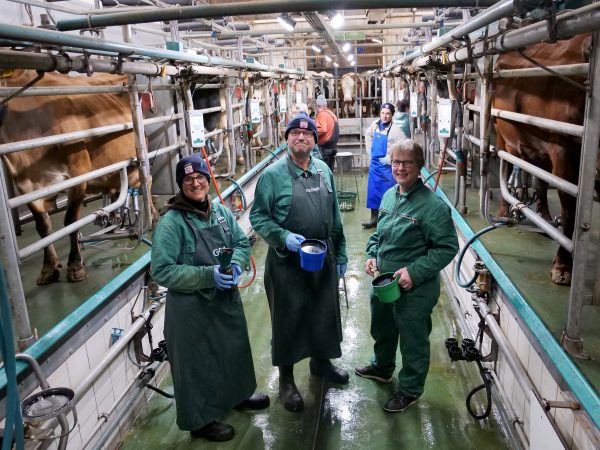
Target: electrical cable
[
  {"x": 212, "y": 175},
  {"x": 487, "y": 384},
  {"x": 253, "y": 274},
  {"x": 461, "y": 255},
  {"x": 160, "y": 391},
  {"x": 237, "y": 185}
]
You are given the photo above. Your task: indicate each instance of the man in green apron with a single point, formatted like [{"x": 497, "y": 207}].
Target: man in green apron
[
  {"x": 205, "y": 327},
  {"x": 296, "y": 199}
]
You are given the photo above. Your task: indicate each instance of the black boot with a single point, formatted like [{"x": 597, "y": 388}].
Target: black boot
[
  {"x": 290, "y": 396},
  {"x": 255, "y": 402},
  {"x": 324, "y": 368},
  {"x": 214, "y": 431},
  {"x": 373, "y": 222}
]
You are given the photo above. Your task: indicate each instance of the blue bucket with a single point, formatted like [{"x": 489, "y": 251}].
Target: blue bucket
[{"x": 312, "y": 254}]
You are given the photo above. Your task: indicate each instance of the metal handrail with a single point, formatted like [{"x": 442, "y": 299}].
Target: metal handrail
[{"x": 51, "y": 238}]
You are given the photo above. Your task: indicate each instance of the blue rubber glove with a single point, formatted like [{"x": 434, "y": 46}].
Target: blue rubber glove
[
  {"x": 293, "y": 241},
  {"x": 237, "y": 271},
  {"x": 222, "y": 280},
  {"x": 341, "y": 270}
]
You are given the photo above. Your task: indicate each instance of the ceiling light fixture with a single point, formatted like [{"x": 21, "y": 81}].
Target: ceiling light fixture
[
  {"x": 287, "y": 22},
  {"x": 316, "y": 48},
  {"x": 337, "y": 21},
  {"x": 352, "y": 63},
  {"x": 327, "y": 58},
  {"x": 346, "y": 47},
  {"x": 378, "y": 41},
  {"x": 350, "y": 57},
  {"x": 336, "y": 64}
]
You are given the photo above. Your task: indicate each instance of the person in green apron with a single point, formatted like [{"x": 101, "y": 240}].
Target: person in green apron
[
  {"x": 205, "y": 326},
  {"x": 296, "y": 199},
  {"x": 415, "y": 239}
]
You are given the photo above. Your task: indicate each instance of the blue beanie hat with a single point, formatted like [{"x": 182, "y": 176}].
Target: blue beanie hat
[
  {"x": 389, "y": 106},
  {"x": 190, "y": 164},
  {"x": 303, "y": 122}
]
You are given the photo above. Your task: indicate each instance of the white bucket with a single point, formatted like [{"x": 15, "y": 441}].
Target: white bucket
[{"x": 344, "y": 161}]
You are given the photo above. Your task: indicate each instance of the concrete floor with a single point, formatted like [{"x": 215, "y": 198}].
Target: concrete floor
[{"x": 340, "y": 417}]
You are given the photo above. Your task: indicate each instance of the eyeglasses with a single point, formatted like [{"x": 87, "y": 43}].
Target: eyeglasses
[
  {"x": 189, "y": 181},
  {"x": 306, "y": 134},
  {"x": 406, "y": 163}
]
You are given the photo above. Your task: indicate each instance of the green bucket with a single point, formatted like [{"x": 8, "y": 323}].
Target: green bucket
[{"x": 386, "y": 287}]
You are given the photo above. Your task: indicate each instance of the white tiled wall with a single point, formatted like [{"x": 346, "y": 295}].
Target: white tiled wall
[
  {"x": 113, "y": 381},
  {"x": 573, "y": 426}
]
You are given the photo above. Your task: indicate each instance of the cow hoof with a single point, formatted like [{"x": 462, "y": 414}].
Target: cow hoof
[
  {"x": 562, "y": 278},
  {"x": 48, "y": 277},
  {"x": 240, "y": 161},
  {"x": 76, "y": 274}
]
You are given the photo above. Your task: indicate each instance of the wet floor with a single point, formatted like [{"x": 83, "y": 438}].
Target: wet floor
[{"x": 341, "y": 417}]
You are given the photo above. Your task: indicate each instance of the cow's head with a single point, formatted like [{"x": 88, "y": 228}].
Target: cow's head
[{"x": 347, "y": 88}]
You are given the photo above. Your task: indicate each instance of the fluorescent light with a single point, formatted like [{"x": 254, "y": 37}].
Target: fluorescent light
[
  {"x": 346, "y": 47},
  {"x": 315, "y": 48},
  {"x": 352, "y": 63},
  {"x": 379, "y": 41},
  {"x": 337, "y": 21},
  {"x": 336, "y": 64},
  {"x": 287, "y": 22},
  {"x": 327, "y": 58},
  {"x": 350, "y": 57}
]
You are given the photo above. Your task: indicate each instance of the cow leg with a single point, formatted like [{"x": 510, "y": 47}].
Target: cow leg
[
  {"x": 542, "y": 200},
  {"x": 562, "y": 264},
  {"x": 153, "y": 212},
  {"x": 50, "y": 268},
  {"x": 75, "y": 267}
]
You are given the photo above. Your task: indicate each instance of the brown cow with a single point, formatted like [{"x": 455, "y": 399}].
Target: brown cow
[
  {"x": 551, "y": 98},
  {"x": 34, "y": 117}
]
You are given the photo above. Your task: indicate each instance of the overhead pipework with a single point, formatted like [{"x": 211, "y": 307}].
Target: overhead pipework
[
  {"x": 322, "y": 28},
  {"x": 247, "y": 8},
  {"x": 286, "y": 21}
]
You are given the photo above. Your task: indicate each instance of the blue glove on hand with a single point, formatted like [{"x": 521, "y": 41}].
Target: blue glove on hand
[
  {"x": 293, "y": 241},
  {"x": 385, "y": 160},
  {"x": 341, "y": 270},
  {"x": 237, "y": 271},
  {"x": 222, "y": 280}
]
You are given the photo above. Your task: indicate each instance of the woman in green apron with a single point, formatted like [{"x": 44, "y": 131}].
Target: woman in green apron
[
  {"x": 205, "y": 327},
  {"x": 415, "y": 239},
  {"x": 295, "y": 199}
]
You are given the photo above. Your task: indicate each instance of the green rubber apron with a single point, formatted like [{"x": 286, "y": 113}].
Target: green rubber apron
[
  {"x": 207, "y": 340},
  {"x": 305, "y": 313}
]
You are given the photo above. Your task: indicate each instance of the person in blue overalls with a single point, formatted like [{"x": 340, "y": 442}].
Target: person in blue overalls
[{"x": 380, "y": 135}]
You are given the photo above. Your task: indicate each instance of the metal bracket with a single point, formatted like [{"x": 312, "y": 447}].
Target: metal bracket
[
  {"x": 547, "y": 404},
  {"x": 573, "y": 346}
]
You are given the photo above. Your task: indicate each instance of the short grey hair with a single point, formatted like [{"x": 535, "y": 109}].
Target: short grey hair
[{"x": 412, "y": 148}]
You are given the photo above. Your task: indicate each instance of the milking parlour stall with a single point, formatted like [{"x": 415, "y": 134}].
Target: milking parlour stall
[{"x": 99, "y": 101}]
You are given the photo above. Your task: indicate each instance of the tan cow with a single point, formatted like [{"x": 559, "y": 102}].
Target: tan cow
[{"x": 34, "y": 117}]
